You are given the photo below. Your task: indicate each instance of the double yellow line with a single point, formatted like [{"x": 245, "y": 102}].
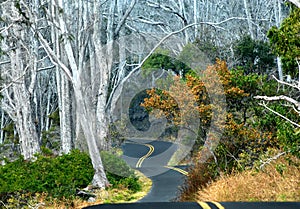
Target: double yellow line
[
  {"x": 178, "y": 170},
  {"x": 204, "y": 205},
  {"x": 141, "y": 160}
]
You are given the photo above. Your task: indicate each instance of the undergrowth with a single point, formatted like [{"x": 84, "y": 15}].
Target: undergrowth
[
  {"x": 279, "y": 181},
  {"x": 58, "y": 177}
]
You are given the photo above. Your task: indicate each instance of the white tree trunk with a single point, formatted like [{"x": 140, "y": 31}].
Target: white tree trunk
[
  {"x": 85, "y": 115},
  {"x": 22, "y": 72},
  {"x": 278, "y": 19},
  {"x": 29, "y": 141},
  {"x": 279, "y": 66},
  {"x": 298, "y": 63},
  {"x": 195, "y": 15},
  {"x": 2, "y": 125},
  {"x": 249, "y": 19},
  {"x": 65, "y": 112}
]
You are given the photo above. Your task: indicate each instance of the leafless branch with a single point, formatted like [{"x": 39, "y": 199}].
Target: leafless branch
[
  {"x": 276, "y": 113},
  {"x": 53, "y": 57},
  {"x": 14, "y": 81},
  {"x": 46, "y": 68},
  {"x": 296, "y": 2},
  {"x": 268, "y": 161},
  {"x": 127, "y": 13},
  {"x": 147, "y": 21},
  {"x": 286, "y": 83},
  {"x": 5, "y": 62},
  {"x": 281, "y": 97},
  {"x": 6, "y": 28}
]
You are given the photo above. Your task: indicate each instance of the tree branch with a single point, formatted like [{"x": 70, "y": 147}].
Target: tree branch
[
  {"x": 53, "y": 57},
  {"x": 295, "y": 2},
  {"x": 147, "y": 21},
  {"x": 276, "y": 113},
  {"x": 286, "y": 83},
  {"x": 5, "y": 62},
  {"x": 268, "y": 161},
  {"x": 281, "y": 97},
  {"x": 127, "y": 13}
]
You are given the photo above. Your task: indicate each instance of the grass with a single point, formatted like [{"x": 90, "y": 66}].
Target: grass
[
  {"x": 122, "y": 195},
  {"x": 279, "y": 181}
]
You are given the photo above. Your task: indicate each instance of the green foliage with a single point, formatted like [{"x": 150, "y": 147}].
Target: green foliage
[
  {"x": 54, "y": 116},
  {"x": 119, "y": 174},
  {"x": 285, "y": 40},
  {"x": 209, "y": 49},
  {"x": 51, "y": 137},
  {"x": 289, "y": 138},
  {"x": 162, "y": 60},
  {"x": 254, "y": 56},
  {"x": 114, "y": 164},
  {"x": 58, "y": 176}
]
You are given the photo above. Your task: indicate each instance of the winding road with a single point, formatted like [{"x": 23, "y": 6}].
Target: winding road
[{"x": 151, "y": 158}]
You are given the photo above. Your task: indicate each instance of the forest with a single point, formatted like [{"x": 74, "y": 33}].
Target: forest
[{"x": 223, "y": 75}]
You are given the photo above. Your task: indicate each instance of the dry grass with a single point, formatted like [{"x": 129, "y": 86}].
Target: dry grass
[{"x": 267, "y": 185}]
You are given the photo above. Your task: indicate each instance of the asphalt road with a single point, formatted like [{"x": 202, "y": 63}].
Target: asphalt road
[
  {"x": 151, "y": 157},
  {"x": 205, "y": 205}
]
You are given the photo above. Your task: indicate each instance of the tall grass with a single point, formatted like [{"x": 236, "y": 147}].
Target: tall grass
[{"x": 279, "y": 181}]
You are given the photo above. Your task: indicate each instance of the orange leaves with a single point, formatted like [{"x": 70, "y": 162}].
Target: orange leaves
[
  {"x": 193, "y": 95},
  {"x": 247, "y": 136},
  {"x": 235, "y": 92}
]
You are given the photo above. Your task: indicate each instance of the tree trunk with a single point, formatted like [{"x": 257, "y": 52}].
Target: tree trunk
[
  {"x": 279, "y": 66},
  {"x": 248, "y": 14},
  {"x": 29, "y": 141},
  {"x": 65, "y": 112},
  {"x": 85, "y": 115},
  {"x": 278, "y": 19}
]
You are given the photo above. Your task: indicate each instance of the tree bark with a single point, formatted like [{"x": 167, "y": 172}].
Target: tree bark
[{"x": 29, "y": 141}]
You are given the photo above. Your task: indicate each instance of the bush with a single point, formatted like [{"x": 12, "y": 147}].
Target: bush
[
  {"x": 119, "y": 173},
  {"x": 60, "y": 176}
]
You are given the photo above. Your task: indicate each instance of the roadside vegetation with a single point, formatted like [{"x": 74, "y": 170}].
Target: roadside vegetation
[
  {"x": 277, "y": 181},
  {"x": 46, "y": 102},
  {"x": 261, "y": 126},
  {"x": 57, "y": 181}
]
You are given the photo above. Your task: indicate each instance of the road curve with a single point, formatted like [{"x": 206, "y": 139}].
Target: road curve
[{"x": 151, "y": 158}]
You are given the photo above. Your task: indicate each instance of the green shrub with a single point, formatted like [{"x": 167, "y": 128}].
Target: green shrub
[
  {"x": 60, "y": 176},
  {"x": 119, "y": 173}
]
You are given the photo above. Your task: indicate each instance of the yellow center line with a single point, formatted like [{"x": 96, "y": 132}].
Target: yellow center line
[
  {"x": 141, "y": 160},
  {"x": 204, "y": 205},
  {"x": 218, "y": 205},
  {"x": 178, "y": 170}
]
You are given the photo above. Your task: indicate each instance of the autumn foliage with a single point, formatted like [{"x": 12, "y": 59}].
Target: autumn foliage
[
  {"x": 205, "y": 96},
  {"x": 221, "y": 99}
]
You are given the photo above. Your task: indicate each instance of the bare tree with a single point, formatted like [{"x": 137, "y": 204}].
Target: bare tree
[{"x": 20, "y": 76}]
